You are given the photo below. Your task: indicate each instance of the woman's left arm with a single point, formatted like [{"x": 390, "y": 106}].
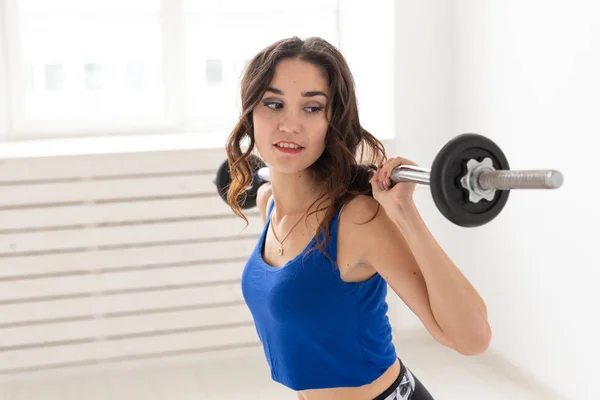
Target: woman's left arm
[{"x": 454, "y": 304}]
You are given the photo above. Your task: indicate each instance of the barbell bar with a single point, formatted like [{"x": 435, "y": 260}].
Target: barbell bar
[
  {"x": 481, "y": 181},
  {"x": 470, "y": 179}
]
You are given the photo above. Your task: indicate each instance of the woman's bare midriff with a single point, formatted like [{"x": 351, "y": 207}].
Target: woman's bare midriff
[{"x": 366, "y": 392}]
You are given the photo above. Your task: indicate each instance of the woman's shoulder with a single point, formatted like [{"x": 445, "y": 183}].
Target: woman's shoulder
[
  {"x": 360, "y": 209},
  {"x": 360, "y": 222},
  {"x": 362, "y": 216}
]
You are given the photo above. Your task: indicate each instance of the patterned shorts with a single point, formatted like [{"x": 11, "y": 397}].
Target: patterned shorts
[{"x": 406, "y": 387}]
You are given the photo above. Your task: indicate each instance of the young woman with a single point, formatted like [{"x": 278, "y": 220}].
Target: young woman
[{"x": 335, "y": 234}]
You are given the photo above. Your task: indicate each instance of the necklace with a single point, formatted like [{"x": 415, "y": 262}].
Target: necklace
[{"x": 280, "y": 248}]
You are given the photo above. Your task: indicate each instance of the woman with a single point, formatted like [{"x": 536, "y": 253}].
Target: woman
[{"x": 319, "y": 300}]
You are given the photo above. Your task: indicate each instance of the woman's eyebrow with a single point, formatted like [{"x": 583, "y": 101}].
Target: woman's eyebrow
[{"x": 312, "y": 93}]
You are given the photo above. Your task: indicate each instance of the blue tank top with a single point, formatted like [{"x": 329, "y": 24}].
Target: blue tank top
[{"x": 318, "y": 331}]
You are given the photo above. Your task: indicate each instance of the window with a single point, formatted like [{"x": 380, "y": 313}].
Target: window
[
  {"x": 88, "y": 67},
  {"x": 93, "y": 76},
  {"x": 83, "y": 51},
  {"x": 79, "y": 67},
  {"x": 54, "y": 77},
  {"x": 135, "y": 75},
  {"x": 214, "y": 72},
  {"x": 222, "y": 36}
]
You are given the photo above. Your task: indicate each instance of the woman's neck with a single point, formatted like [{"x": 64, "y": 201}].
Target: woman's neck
[{"x": 295, "y": 193}]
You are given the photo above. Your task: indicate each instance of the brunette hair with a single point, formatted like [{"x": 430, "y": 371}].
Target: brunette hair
[{"x": 351, "y": 152}]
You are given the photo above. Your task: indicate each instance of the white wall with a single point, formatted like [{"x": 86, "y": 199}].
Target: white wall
[
  {"x": 528, "y": 77},
  {"x": 525, "y": 75},
  {"x": 423, "y": 102},
  {"x": 367, "y": 42}
]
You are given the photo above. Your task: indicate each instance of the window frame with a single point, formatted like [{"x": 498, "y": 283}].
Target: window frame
[{"x": 5, "y": 89}]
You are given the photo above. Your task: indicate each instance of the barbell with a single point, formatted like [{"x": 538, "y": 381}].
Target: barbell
[{"x": 470, "y": 179}]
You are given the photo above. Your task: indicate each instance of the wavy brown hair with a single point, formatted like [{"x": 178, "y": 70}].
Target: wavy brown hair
[{"x": 351, "y": 152}]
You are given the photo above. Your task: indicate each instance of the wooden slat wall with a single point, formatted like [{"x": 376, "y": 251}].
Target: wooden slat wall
[{"x": 108, "y": 258}]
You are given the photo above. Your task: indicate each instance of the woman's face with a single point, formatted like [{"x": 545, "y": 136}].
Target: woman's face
[{"x": 290, "y": 122}]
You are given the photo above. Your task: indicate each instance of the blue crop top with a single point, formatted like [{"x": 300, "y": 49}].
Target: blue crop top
[{"x": 318, "y": 331}]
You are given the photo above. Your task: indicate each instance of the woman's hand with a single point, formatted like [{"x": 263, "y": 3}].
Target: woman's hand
[{"x": 383, "y": 192}]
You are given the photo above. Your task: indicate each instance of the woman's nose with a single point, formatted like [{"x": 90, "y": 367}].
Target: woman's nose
[{"x": 291, "y": 123}]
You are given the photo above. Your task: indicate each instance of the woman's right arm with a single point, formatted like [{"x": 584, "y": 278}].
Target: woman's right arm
[{"x": 263, "y": 197}]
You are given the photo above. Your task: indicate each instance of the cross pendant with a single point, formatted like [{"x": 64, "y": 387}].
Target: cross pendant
[{"x": 280, "y": 250}]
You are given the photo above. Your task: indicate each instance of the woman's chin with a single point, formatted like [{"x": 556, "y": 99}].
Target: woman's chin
[{"x": 287, "y": 168}]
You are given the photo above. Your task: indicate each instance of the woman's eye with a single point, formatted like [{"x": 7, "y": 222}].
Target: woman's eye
[{"x": 273, "y": 105}]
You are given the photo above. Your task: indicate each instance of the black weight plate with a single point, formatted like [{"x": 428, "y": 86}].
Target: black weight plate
[
  {"x": 256, "y": 163},
  {"x": 223, "y": 180},
  {"x": 450, "y": 165}
]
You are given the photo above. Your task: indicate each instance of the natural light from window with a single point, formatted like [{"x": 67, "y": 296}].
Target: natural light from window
[{"x": 89, "y": 61}]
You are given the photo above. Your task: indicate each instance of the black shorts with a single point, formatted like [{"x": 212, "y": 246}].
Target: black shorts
[{"x": 405, "y": 387}]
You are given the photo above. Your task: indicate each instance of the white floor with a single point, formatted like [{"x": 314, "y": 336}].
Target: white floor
[{"x": 244, "y": 375}]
